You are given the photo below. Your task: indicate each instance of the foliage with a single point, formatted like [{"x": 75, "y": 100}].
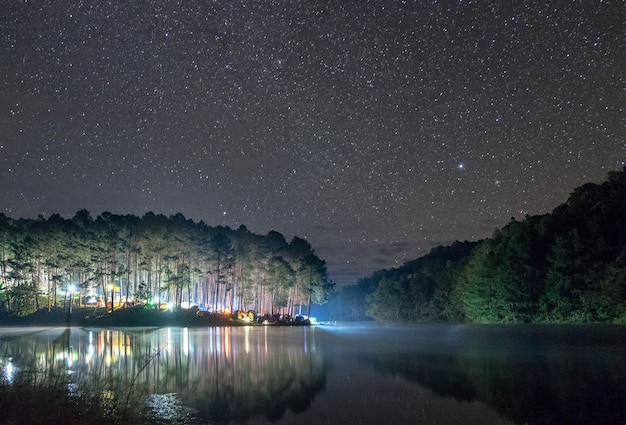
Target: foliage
[
  {"x": 153, "y": 259},
  {"x": 419, "y": 290},
  {"x": 349, "y": 303},
  {"x": 568, "y": 266}
]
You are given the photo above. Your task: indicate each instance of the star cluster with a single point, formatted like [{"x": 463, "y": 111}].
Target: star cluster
[{"x": 374, "y": 129}]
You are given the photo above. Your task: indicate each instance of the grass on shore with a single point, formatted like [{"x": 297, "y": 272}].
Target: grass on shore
[{"x": 123, "y": 317}]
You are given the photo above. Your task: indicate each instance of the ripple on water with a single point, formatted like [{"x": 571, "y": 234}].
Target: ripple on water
[{"x": 167, "y": 409}]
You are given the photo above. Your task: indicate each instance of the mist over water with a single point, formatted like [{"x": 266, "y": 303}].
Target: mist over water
[{"x": 357, "y": 373}]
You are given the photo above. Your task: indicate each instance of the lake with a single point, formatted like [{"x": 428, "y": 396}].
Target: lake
[{"x": 341, "y": 374}]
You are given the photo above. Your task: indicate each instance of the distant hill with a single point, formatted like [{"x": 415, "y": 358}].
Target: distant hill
[{"x": 568, "y": 266}]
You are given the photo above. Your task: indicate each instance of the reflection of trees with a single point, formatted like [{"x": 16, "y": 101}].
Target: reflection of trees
[
  {"x": 42, "y": 355},
  {"x": 224, "y": 374},
  {"x": 534, "y": 375},
  {"x": 237, "y": 373},
  {"x": 34, "y": 380}
]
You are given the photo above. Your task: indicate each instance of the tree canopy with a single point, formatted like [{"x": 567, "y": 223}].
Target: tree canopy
[
  {"x": 568, "y": 266},
  {"x": 155, "y": 259}
]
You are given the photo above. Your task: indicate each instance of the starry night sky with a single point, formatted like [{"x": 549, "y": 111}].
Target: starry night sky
[{"x": 374, "y": 129}]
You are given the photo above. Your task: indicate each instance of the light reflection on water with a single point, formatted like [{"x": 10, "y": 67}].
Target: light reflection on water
[{"x": 361, "y": 373}]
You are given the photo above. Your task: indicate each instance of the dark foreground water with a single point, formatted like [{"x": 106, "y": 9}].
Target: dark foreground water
[{"x": 352, "y": 374}]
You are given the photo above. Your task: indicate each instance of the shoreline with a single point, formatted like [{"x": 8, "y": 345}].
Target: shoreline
[{"x": 129, "y": 317}]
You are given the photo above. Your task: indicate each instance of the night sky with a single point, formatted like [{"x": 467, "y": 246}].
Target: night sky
[{"x": 376, "y": 130}]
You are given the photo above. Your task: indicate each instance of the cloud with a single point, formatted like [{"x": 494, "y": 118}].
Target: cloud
[{"x": 347, "y": 263}]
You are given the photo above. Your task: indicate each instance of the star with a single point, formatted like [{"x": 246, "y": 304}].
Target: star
[{"x": 344, "y": 125}]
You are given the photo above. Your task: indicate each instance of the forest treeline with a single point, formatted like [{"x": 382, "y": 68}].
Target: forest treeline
[
  {"x": 568, "y": 266},
  {"x": 154, "y": 259}
]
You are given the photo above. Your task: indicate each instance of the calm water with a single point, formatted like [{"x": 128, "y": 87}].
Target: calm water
[{"x": 354, "y": 374}]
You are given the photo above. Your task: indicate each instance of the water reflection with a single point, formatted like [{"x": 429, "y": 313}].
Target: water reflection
[
  {"x": 530, "y": 374},
  {"x": 218, "y": 374},
  {"x": 368, "y": 375}
]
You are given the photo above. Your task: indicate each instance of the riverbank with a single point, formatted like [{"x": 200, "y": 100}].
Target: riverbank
[
  {"x": 130, "y": 317},
  {"x": 124, "y": 317}
]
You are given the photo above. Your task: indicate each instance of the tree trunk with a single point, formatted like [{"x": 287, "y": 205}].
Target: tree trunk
[{"x": 127, "y": 274}]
